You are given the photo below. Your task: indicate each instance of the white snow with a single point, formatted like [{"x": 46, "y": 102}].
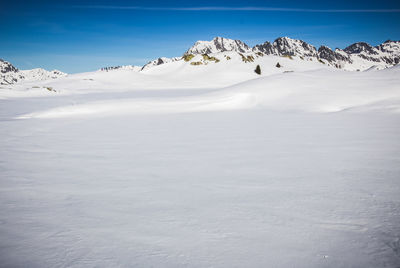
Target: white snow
[{"x": 202, "y": 166}]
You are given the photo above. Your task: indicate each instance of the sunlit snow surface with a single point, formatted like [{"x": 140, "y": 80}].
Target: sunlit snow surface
[{"x": 121, "y": 169}]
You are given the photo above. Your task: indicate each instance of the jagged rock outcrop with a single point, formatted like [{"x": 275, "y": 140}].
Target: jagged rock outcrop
[
  {"x": 286, "y": 46},
  {"x": 391, "y": 49},
  {"x": 6, "y": 67},
  {"x": 364, "y": 51},
  {"x": 265, "y": 48},
  {"x": 335, "y": 58}
]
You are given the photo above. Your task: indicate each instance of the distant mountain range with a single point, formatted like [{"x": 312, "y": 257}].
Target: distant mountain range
[
  {"x": 11, "y": 75},
  {"x": 356, "y": 57}
]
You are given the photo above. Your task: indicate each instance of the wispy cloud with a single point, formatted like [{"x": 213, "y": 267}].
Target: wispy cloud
[{"x": 215, "y": 8}]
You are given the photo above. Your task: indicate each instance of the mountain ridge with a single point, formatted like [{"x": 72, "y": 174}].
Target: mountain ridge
[{"x": 358, "y": 56}]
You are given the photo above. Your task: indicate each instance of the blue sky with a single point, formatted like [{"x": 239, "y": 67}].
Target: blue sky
[{"x": 77, "y": 36}]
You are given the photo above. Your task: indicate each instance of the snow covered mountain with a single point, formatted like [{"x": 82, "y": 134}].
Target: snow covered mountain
[
  {"x": 385, "y": 53},
  {"x": 391, "y": 48},
  {"x": 10, "y": 74},
  {"x": 359, "y": 56}
]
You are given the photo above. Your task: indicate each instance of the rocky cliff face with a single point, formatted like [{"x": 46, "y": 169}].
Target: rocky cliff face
[
  {"x": 265, "y": 48},
  {"x": 286, "y": 46},
  {"x": 391, "y": 49},
  {"x": 335, "y": 58}
]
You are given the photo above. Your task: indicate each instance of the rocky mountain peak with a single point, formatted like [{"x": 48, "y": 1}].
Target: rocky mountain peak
[
  {"x": 218, "y": 44},
  {"x": 390, "y": 46},
  {"x": 286, "y": 46},
  {"x": 6, "y": 67},
  {"x": 360, "y": 47}
]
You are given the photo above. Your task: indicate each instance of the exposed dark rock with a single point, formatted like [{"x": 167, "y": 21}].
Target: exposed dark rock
[
  {"x": 265, "y": 48},
  {"x": 6, "y": 67},
  {"x": 360, "y": 47},
  {"x": 331, "y": 56}
]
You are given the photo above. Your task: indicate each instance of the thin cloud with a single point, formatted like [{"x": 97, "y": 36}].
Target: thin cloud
[{"x": 276, "y": 9}]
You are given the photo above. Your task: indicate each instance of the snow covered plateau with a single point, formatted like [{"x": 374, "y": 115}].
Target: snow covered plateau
[{"x": 198, "y": 161}]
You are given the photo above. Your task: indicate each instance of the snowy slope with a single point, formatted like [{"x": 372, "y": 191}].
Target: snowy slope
[
  {"x": 198, "y": 161},
  {"x": 230, "y": 70},
  {"x": 205, "y": 165},
  {"x": 321, "y": 90}
]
